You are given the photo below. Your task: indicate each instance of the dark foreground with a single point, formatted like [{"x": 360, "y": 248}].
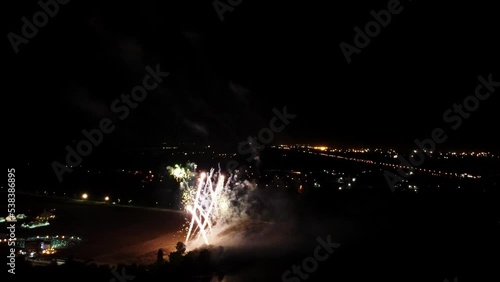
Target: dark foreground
[{"x": 374, "y": 236}]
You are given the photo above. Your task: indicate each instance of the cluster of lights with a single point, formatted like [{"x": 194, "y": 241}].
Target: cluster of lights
[
  {"x": 32, "y": 225},
  {"x": 49, "y": 252},
  {"x": 192, "y": 153},
  {"x": 56, "y": 236},
  {"x": 56, "y": 242},
  {"x": 468, "y": 154}
]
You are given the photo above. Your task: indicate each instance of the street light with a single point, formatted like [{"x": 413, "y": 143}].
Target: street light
[
  {"x": 106, "y": 198},
  {"x": 85, "y": 196}
]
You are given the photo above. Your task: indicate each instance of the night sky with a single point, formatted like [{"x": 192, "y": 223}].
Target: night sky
[{"x": 226, "y": 77}]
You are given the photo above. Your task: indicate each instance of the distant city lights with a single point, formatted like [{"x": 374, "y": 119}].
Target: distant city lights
[{"x": 346, "y": 154}]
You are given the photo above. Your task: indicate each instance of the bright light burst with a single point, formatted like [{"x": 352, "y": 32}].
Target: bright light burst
[
  {"x": 179, "y": 173},
  {"x": 210, "y": 200}
]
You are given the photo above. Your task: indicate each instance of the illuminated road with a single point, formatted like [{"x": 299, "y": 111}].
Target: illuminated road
[{"x": 433, "y": 172}]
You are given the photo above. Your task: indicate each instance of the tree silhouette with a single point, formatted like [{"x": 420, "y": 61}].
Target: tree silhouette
[
  {"x": 177, "y": 256},
  {"x": 181, "y": 248},
  {"x": 159, "y": 257}
]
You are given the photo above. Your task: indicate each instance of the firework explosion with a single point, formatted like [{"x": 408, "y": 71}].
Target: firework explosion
[{"x": 211, "y": 199}]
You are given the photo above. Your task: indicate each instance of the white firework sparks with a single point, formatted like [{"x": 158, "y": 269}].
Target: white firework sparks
[
  {"x": 210, "y": 200},
  {"x": 203, "y": 212}
]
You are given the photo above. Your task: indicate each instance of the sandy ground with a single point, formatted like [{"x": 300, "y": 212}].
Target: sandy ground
[{"x": 111, "y": 234}]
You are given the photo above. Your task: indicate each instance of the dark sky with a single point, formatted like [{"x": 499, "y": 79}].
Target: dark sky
[{"x": 226, "y": 77}]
